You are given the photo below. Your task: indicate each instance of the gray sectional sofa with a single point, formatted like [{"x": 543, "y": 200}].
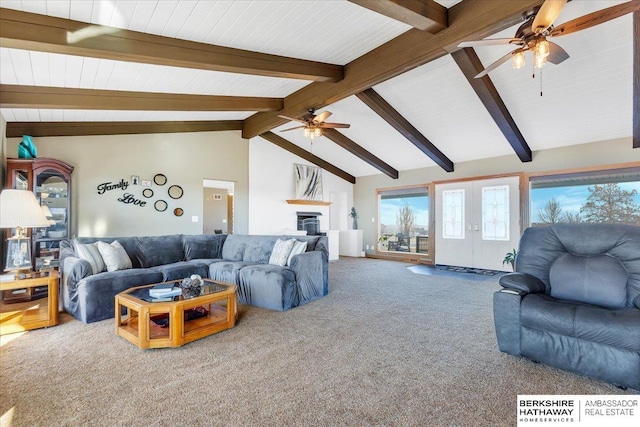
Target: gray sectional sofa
[{"x": 239, "y": 259}]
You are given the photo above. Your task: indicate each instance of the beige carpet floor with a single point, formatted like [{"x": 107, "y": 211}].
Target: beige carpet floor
[{"x": 386, "y": 347}]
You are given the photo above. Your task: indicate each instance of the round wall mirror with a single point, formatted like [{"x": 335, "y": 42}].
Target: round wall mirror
[
  {"x": 160, "y": 205},
  {"x": 178, "y": 211},
  {"x": 147, "y": 192},
  {"x": 160, "y": 179},
  {"x": 175, "y": 192}
]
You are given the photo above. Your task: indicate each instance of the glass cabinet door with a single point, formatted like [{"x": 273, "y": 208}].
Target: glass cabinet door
[{"x": 52, "y": 191}]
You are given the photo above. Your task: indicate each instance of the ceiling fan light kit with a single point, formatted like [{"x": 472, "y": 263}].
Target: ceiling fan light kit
[
  {"x": 312, "y": 132},
  {"x": 532, "y": 34},
  {"x": 313, "y": 124}
]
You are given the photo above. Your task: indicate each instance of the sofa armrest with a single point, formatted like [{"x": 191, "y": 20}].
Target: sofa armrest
[
  {"x": 522, "y": 282},
  {"x": 506, "y": 317},
  {"x": 312, "y": 274},
  {"x": 636, "y": 302},
  {"x": 74, "y": 270}
]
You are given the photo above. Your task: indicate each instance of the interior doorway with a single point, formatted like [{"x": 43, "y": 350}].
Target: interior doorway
[{"x": 217, "y": 206}]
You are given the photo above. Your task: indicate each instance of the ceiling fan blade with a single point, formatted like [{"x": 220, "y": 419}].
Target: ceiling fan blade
[
  {"x": 297, "y": 127},
  {"x": 547, "y": 14},
  {"x": 556, "y": 54},
  {"x": 595, "y": 18},
  {"x": 489, "y": 42},
  {"x": 292, "y": 119},
  {"x": 335, "y": 125},
  {"x": 322, "y": 117},
  {"x": 498, "y": 63}
]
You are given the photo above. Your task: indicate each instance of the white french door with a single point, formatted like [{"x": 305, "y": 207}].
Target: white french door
[{"x": 477, "y": 222}]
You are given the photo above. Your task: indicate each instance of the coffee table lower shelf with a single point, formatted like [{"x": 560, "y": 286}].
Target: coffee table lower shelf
[{"x": 135, "y": 318}]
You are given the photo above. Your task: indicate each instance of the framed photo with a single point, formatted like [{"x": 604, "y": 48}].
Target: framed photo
[
  {"x": 18, "y": 254},
  {"x": 135, "y": 180},
  {"x": 145, "y": 183}
]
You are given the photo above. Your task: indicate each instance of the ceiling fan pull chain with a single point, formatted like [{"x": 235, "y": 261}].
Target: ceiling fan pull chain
[{"x": 540, "y": 81}]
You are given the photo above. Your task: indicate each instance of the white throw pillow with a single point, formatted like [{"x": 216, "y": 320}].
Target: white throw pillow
[
  {"x": 281, "y": 251},
  {"x": 298, "y": 248},
  {"x": 91, "y": 254},
  {"x": 114, "y": 255}
]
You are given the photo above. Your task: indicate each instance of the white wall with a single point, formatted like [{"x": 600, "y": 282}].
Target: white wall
[
  {"x": 271, "y": 183},
  {"x": 214, "y": 211},
  {"x": 185, "y": 158}
]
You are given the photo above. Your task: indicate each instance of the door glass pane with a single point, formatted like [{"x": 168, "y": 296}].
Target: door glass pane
[
  {"x": 495, "y": 213},
  {"x": 22, "y": 180},
  {"x": 609, "y": 196},
  {"x": 453, "y": 214},
  {"x": 404, "y": 220}
]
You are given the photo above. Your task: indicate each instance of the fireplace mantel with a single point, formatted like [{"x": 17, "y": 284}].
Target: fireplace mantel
[{"x": 307, "y": 202}]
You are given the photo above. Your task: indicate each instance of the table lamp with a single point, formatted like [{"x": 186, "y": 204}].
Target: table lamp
[{"x": 19, "y": 209}]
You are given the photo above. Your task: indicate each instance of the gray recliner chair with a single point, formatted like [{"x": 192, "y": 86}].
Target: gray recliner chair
[{"x": 573, "y": 301}]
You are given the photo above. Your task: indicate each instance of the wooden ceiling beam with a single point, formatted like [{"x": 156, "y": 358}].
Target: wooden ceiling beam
[
  {"x": 41, "y": 129},
  {"x": 382, "y": 108},
  {"x": 346, "y": 143},
  {"x": 29, "y": 31},
  {"x": 426, "y": 15},
  {"x": 470, "y": 65},
  {"x": 468, "y": 20},
  {"x": 14, "y": 96},
  {"x": 636, "y": 79},
  {"x": 302, "y": 153}
]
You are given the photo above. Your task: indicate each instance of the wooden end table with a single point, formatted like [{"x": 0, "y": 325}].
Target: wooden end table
[
  {"x": 149, "y": 324},
  {"x": 23, "y": 316}
]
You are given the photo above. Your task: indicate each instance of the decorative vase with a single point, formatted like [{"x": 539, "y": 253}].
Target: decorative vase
[
  {"x": 192, "y": 286},
  {"x": 354, "y": 215}
]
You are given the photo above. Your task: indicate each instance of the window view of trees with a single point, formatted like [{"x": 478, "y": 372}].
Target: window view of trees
[
  {"x": 612, "y": 202},
  {"x": 404, "y": 221}
]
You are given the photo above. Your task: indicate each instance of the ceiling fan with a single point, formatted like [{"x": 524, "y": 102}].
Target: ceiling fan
[
  {"x": 313, "y": 124},
  {"x": 538, "y": 26}
]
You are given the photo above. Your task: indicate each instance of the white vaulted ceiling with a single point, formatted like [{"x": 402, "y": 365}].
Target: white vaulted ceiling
[{"x": 586, "y": 98}]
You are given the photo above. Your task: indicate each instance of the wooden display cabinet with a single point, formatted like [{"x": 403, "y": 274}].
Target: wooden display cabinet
[{"x": 50, "y": 180}]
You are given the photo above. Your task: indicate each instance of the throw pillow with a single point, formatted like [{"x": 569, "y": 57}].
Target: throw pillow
[
  {"x": 298, "y": 248},
  {"x": 91, "y": 254},
  {"x": 114, "y": 256},
  {"x": 281, "y": 251}
]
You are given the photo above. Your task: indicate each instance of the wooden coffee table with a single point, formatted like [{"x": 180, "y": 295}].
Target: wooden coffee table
[{"x": 150, "y": 324}]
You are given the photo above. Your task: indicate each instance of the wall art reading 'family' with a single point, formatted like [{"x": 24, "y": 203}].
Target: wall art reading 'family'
[{"x": 174, "y": 192}]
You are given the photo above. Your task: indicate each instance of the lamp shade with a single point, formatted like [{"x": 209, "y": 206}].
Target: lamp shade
[{"x": 19, "y": 208}]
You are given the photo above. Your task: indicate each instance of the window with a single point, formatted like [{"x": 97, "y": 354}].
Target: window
[
  {"x": 453, "y": 214},
  {"x": 495, "y": 213},
  {"x": 404, "y": 220},
  {"x": 608, "y": 196}
]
